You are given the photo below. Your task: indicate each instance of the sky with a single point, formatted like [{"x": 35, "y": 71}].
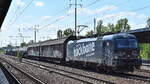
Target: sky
[{"x": 48, "y": 16}]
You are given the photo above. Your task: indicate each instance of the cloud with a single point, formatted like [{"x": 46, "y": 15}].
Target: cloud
[
  {"x": 141, "y": 16},
  {"x": 92, "y": 12},
  {"x": 20, "y": 3},
  {"x": 13, "y": 31},
  {"x": 46, "y": 17},
  {"x": 135, "y": 19},
  {"x": 39, "y": 4},
  {"x": 118, "y": 15},
  {"x": 124, "y": 14},
  {"x": 23, "y": 25},
  {"x": 136, "y": 25},
  {"x": 105, "y": 8},
  {"x": 86, "y": 11},
  {"x": 98, "y": 10},
  {"x": 61, "y": 17}
]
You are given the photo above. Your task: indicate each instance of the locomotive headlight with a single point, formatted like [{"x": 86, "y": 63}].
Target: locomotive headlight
[{"x": 116, "y": 57}]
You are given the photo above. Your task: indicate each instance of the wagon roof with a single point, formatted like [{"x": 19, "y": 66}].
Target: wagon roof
[{"x": 52, "y": 41}]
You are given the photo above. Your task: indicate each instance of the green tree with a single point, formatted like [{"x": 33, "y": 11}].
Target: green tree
[
  {"x": 59, "y": 33},
  {"x": 30, "y": 42},
  {"x": 148, "y": 23},
  {"x": 23, "y": 44},
  {"x": 9, "y": 46},
  {"x": 101, "y": 28},
  {"x": 111, "y": 27},
  {"x": 90, "y": 33},
  {"x": 68, "y": 32},
  {"x": 122, "y": 25}
]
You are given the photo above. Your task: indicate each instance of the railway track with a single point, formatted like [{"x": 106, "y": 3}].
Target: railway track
[
  {"x": 124, "y": 75},
  {"x": 84, "y": 78},
  {"x": 73, "y": 75},
  {"x": 132, "y": 76},
  {"x": 29, "y": 77},
  {"x": 144, "y": 64},
  {"x": 144, "y": 70},
  {"x": 138, "y": 77},
  {"x": 10, "y": 77}
]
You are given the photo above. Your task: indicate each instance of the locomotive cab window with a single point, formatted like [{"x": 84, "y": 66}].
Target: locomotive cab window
[
  {"x": 133, "y": 43},
  {"x": 122, "y": 43},
  {"x": 126, "y": 43}
]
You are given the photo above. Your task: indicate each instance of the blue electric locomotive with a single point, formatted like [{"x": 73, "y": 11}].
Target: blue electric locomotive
[{"x": 115, "y": 52}]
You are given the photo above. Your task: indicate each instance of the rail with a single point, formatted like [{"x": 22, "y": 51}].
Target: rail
[
  {"x": 34, "y": 79},
  {"x": 10, "y": 77},
  {"x": 69, "y": 74}
]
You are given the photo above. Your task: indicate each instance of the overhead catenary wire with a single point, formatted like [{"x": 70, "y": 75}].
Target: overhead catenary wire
[
  {"x": 58, "y": 19},
  {"x": 142, "y": 8},
  {"x": 60, "y": 12},
  {"x": 117, "y": 15},
  {"x": 13, "y": 16},
  {"x": 55, "y": 13},
  {"x": 21, "y": 13},
  {"x": 134, "y": 10},
  {"x": 17, "y": 17},
  {"x": 104, "y": 11},
  {"x": 16, "y": 11},
  {"x": 94, "y": 2}
]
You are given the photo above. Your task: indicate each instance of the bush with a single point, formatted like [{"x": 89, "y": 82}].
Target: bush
[{"x": 145, "y": 50}]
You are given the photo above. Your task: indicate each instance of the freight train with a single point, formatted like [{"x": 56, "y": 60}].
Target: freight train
[
  {"x": 116, "y": 52},
  {"x": 14, "y": 50}
]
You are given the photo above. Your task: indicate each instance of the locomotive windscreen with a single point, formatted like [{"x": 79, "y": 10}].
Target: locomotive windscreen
[
  {"x": 122, "y": 43},
  {"x": 133, "y": 43},
  {"x": 126, "y": 43}
]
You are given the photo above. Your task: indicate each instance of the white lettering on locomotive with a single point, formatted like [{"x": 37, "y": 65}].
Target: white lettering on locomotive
[{"x": 83, "y": 48}]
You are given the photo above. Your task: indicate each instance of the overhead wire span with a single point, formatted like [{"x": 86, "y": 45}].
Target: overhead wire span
[
  {"x": 94, "y": 2},
  {"x": 107, "y": 9},
  {"x": 88, "y": 5},
  {"x": 55, "y": 19},
  {"x": 142, "y": 8},
  {"x": 13, "y": 16},
  {"x": 133, "y": 10},
  {"x": 68, "y": 15},
  {"x": 21, "y": 12}
]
